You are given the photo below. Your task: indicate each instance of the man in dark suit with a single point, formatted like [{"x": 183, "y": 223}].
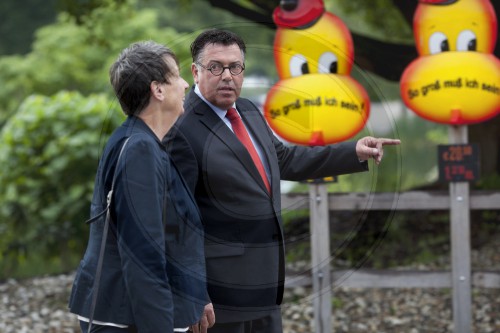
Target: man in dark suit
[{"x": 237, "y": 187}]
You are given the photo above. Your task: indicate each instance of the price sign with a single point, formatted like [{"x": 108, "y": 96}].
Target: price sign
[{"x": 458, "y": 163}]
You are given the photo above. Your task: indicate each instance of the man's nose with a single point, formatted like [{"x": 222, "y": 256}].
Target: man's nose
[{"x": 226, "y": 75}]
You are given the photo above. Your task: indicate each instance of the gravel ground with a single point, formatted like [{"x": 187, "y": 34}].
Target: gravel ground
[
  {"x": 393, "y": 310},
  {"x": 39, "y": 306}
]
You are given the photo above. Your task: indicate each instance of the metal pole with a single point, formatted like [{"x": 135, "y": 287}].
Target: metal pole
[
  {"x": 320, "y": 252},
  {"x": 460, "y": 244}
]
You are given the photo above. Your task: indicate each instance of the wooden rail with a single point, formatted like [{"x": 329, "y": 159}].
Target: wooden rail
[
  {"x": 412, "y": 200},
  {"x": 368, "y": 278}
]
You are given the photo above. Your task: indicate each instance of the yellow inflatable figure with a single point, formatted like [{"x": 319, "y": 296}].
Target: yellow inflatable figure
[
  {"x": 456, "y": 79},
  {"x": 315, "y": 102}
]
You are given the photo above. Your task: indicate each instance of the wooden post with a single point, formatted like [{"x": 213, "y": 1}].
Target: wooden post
[
  {"x": 320, "y": 252},
  {"x": 460, "y": 244}
]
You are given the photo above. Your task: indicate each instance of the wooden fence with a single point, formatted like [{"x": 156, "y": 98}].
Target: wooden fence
[{"x": 460, "y": 278}]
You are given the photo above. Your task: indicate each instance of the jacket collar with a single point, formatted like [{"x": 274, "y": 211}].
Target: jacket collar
[{"x": 135, "y": 125}]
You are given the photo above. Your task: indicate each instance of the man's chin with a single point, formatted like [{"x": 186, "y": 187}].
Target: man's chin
[{"x": 226, "y": 103}]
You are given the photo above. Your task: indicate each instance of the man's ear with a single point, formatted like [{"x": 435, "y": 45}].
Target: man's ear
[{"x": 194, "y": 72}]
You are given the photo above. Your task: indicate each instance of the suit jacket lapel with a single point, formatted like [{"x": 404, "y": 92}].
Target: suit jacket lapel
[{"x": 212, "y": 121}]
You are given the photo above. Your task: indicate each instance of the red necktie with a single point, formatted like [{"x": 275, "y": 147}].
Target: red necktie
[{"x": 242, "y": 134}]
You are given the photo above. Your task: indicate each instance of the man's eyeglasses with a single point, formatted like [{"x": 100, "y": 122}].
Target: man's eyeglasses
[{"x": 217, "y": 69}]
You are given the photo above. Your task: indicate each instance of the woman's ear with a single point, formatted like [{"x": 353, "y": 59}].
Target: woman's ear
[{"x": 157, "y": 90}]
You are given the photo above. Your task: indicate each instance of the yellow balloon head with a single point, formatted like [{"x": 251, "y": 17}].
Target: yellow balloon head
[
  {"x": 464, "y": 25},
  {"x": 325, "y": 47}
]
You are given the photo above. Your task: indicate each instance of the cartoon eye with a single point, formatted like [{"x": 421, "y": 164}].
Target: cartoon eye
[
  {"x": 466, "y": 41},
  {"x": 438, "y": 43},
  {"x": 328, "y": 63},
  {"x": 298, "y": 65}
]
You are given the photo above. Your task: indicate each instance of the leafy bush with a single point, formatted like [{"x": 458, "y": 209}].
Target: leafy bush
[
  {"x": 49, "y": 155},
  {"x": 76, "y": 56}
]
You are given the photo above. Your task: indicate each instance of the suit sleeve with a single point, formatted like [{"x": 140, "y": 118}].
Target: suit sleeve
[
  {"x": 300, "y": 162},
  {"x": 138, "y": 199}
]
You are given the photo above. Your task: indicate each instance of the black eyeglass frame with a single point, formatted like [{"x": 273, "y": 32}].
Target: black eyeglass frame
[{"x": 223, "y": 68}]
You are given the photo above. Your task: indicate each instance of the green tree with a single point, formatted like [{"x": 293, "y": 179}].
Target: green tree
[
  {"x": 49, "y": 154},
  {"x": 191, "y": 17},
  {"x": 71, "y": 55}
]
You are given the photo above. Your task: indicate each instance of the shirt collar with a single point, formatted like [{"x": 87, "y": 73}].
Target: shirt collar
[{"x": 220, "y": 112}]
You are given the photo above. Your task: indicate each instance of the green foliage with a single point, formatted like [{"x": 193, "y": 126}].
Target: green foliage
[
  {"x": 489, "y": 182},
  {"x": 337, "y": 303},
  {"x": 50, "y": 145},
  {"x": 49, "y": 156},
  {"x": 296, "y": 226},
  {"x": 79, "y": 9},
  {"x": 71, "y": 55}
]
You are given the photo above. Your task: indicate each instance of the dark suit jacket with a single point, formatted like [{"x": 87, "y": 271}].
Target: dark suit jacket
[
  {"x": 153, "y": 274},
  {"x": 243, "y": 227}
]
